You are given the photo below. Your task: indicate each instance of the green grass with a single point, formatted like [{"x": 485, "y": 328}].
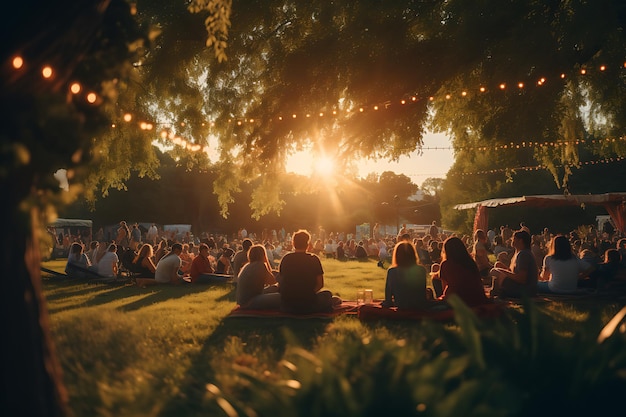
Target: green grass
[{"x": 169, "y": 351}]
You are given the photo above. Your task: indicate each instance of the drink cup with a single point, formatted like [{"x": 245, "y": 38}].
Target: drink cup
[
  {"x": 368, "y": 297},
  {"x": 360, "y": 297}
]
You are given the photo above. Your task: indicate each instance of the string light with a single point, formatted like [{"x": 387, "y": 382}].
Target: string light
[
  {"x": 75, "y": 88},
  {"x": 17, "y": 62},
  {"x": 46, "y": 72},
  {"x": 92, "y": 97},
  {"x": 537, "y": 167}
]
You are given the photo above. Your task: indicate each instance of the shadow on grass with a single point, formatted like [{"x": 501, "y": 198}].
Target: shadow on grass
[
  {"x": 255, "y": 334},
  {"x": 159, "y": 293},
  {"x": 102, "y": 294}
]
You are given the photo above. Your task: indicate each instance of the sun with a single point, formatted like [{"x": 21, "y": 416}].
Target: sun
[{"x": 324, "y": 166}]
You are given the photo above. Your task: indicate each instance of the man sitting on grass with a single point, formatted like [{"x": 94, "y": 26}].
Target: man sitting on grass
[
  {"x": 169, "y": 265},
  {"x": 301, "y": 279}
]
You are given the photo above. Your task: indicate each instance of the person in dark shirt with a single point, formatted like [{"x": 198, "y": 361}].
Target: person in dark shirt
[{"x": 301, "y": 278}]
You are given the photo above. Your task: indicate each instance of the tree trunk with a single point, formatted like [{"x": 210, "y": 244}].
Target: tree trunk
[{"x": 31, "y": 373}]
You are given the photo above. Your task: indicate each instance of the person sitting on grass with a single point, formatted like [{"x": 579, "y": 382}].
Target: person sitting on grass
[
  {"x": 459, "y": 274},
  {"x": 167, "y": 270},
  {"x": 405, "y": 286},
  {"x": 78, "y": 264},
  {"x": 562, "y": 269},
  {"x": 256, "y": 284},
  {"x": 301, "y": 279},
  {"x": 241, "y": 257},
  {"x": 143, "y": 264},
  {"x": 521, "y": 276},
  {"x": 224, "y": 265},
  {"x": 201, "y": 268},
  {"x": 109, "y": 263},
  {"x": 361, "y": 252}
]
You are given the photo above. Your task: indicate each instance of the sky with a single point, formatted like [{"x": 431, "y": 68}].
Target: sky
[{"x": 432, "y": 163}]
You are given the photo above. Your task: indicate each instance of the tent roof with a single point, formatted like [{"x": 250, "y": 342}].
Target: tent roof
[
  {"x": 71, "y": 223},
  {"x": 549, "y": 200}
]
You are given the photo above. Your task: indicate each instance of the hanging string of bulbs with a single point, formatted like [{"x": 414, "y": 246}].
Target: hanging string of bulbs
[{"x": 167, "y": 133}]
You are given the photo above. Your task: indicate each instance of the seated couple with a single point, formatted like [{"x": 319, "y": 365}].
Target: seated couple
[
  {"x": 299, "y": 286},
  {"x": 405, "y": 287},
  {"x": 167, "y": 270}
]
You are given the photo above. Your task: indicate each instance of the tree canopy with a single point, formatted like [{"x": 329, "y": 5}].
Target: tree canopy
[{"x": 368, "y": 79}]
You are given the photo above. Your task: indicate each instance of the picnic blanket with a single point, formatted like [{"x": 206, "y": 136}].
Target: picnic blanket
[
  {"x": 346, "y": 307},
  {"x": 373, "y": 312}
]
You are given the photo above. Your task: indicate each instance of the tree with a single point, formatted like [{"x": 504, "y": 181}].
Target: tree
[
  {"x": 63, "y": 65},
  {"x": 355, "y": 79},
  {"x": 433, "y": 186}
]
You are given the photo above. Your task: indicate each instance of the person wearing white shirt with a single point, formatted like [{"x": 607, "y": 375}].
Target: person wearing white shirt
[
  {"x": 169, "y": 265},
  {"x": 107, "y": 266},
  {"x": 562, "y": 269}
]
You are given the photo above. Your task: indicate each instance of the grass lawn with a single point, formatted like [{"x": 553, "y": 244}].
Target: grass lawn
[{"x": 170, "y": 351}]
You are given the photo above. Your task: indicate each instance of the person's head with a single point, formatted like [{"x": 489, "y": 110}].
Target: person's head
[
  {"x": 503, "y": 257},
  {"x": 177, "y": 248},
  {"x": 76, "y": 248},
  {"x": 406, "y": 237},
  {"x": 521, "y": 240},
  {"x": 228, "y": 252},
  {"x": 94, "y": 244},
  {"x": 257, "y": 253},
  {"x": 246, "y": 244},
  {"x": 454, "y": 250},
  {"x": 480, "y": 235},
  {"x": 612, "y": 256},
  {"x": 561, "y": 248},
  {"x": 498, "y": 240},
  {"x": 621, "y": 244},
  {"x": 404, "y": 255},
  {"x": 112, "y": 248},
  {"x": 146, "y": 250},
  {"x": 301, "y": 239},
  {"x": 203, "y": 249},
  {"x": 185, "y": 247}
]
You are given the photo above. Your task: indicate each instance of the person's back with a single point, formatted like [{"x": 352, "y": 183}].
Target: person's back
[
  {"x": 298, "y": 273},
  {"x": 241, "y": 257},
  {"x": 253, "y": 278},
  {"x": 405, "y": 286},
  {"x": 408, "y": 286},
  {"x": 301, "y": 278},
  {"x": 107, "y": 266},
  {"x": 168, "y": 266}
]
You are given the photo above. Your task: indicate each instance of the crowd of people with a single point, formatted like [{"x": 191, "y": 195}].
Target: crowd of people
[{"x": 284, "y": 271}]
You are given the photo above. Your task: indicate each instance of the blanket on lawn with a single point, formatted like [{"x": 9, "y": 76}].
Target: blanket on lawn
[
  {"x": 346, "y": 307},
  {"x": 373, "y": 312}
]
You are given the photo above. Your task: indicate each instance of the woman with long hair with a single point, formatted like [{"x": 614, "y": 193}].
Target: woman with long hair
[
  {"x": 562, "y": 268},
  {"x": 459, "y": 273},
  {"x": 144, "y": 265},
  {"x": 405, "y": 287},
  {"x": 256, "y": 284}
]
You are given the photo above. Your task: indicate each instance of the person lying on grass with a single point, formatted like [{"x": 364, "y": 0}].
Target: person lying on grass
[{"x": 301, "y": 279}]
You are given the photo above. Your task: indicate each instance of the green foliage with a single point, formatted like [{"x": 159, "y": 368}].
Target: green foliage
[{"x": 121, "y": 345}]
